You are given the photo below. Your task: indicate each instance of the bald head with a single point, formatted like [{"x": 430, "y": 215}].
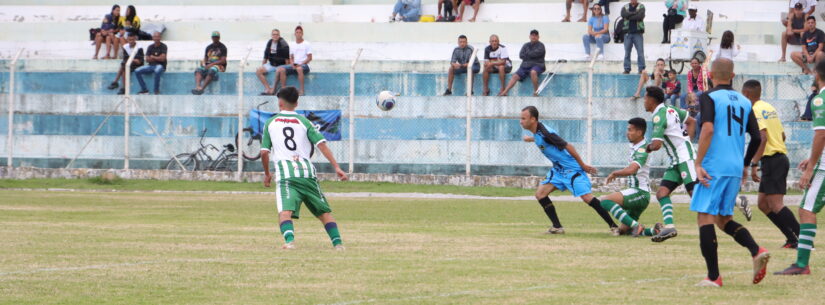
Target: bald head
[{"x": 722, "y": 71}]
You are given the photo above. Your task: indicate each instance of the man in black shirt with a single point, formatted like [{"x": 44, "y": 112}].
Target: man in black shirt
[
  {"x": 129, "y": 48},
  {"x": 276, "y": 54},
  {"x": 214, "y": 61},
  {"x": 812, "y": 40},
  {"x": 156, "y": 57}
]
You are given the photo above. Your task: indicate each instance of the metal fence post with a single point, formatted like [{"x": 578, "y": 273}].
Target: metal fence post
[
  {"x": 469, "y": 107},
  {"x": 351, "y": 111},
  {"x": 10, "y": 136},
  {"x": 589, "y": 136},
  {"x": 240, "y": 115},
  {"x": 126, "y": 112}
]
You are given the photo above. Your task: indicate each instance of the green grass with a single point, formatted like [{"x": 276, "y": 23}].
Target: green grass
[{"x": 150, "y": 248}]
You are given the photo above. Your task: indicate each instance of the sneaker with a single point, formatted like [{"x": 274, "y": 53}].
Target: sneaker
[
  {"x": 339, "y": 247},
  {"x": 157, "y": 92},
  {"x": 744, "y": 207},
  {"x": 664, "y": 234},
  {"x": 657, "y": 228},
  {"x": 600, "y": 57},
  {"x": 794, "y": 270},
  {"x": 587, "y": 58},
  {"x": 760, "y": 264},
  {"x": 143, "y": 92},
  {"x": 615, "y": 231},
  {"x": 626, "y": 72},
  {"x": 289, "y": 246},
  {"x": 113, "y": 86},
  {"x": 121, "y": 91},
  {"x": 554, "y": 230},
  {"x": 637, "y": 230},
  {"x": 448, "y": 92},
  {"x": 789, "y": 245},
  {"x": 708, "y": 283}
]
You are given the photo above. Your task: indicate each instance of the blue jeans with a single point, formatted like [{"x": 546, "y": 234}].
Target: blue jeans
[
  {"x": 153, "y": 69},
  {"x": 409, "y": 14},
  {"x": 673, "y": 98},
  {"x": 638, "y": 41},
  {"x": 588, "y": 39}
]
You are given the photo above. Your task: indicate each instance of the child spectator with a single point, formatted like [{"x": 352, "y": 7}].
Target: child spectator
[
  {"x": 726, "y": 47},
  {"x": 672, "y": 88}
]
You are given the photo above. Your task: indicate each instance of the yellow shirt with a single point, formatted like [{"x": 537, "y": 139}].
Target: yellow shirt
[{"x": 768, "y": 119}]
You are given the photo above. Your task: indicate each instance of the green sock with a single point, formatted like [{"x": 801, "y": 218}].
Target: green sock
[
  {"x": 667, "y": 210},
  {"x": 648, "y": 232},
  {"x": 288, "y": 231},
  {"x": 807, "y": 232},
  {"x": 334, "y": 235},
  {"x": 616, "y": 210}
]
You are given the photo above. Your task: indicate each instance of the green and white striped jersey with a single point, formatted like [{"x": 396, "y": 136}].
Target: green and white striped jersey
[
  {"x": 291, "y": 138},
  {"x": 669, "y": 127},
  {"x": 641, "y": 179},
  {"x": 818, "y": 112}
]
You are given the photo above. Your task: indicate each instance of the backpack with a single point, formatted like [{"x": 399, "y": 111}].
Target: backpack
[{"x": 618, "y": 30}]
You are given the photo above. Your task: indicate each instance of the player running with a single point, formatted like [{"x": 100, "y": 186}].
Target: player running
[
  {"x": 672, "y": 128},
  {"x": 629, "y": 204},
  {"x": 569, "y": 172},
  {"x": 726, "y": 116},
  {"x": 291, "y": 139}
]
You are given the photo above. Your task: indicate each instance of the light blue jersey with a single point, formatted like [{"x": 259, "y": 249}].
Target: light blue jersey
[
  {"x": 731, "y": 114},
  {"x": 554, "y": 148}
]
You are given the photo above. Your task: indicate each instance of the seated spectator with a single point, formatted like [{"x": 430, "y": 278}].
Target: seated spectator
[
  {"x": 214, "y": 62},
  {"x": 458, "y": 62},
  {"x": 654, "y": 79},
  {"x": 107, "y": 32},
  {"x": 605, "y": 4},
  {"x": 276, "y": 54},
  {"x": 156, "y": 58},
  {"x": 532, "y": 63},
  {"x": 406, "y": 10},
  {"x": 633, "y": 26},
  {"x": 450, "y": 10},
  {"x": 496, "y": 60},
  {"x": 129, "y": 48},
  {"x": 476, "y": 4},
  {"x": 568, "y": 4},
  {"x": 806, "y": 114},
  {"x": 672, "y": 88},
  {"x": 129, "y": 23},
  {"x": 808, "y": 8},
  {"x": 300, "y": 54},
  {"x": 793, "y": 29},
  {"x": 812, "y": 50},
  {"x": 598, "y": 32},
  {"x": 694, "y": 22},
  {"x": 675, "y": 14},
  {"x": 726, "y": 47},
  {"x": 698, "y": 82}
]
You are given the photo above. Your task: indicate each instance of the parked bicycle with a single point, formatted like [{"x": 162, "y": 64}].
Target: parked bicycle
[
  {"x": 227, "y": 159},
  {"x": 253, "y": 133}
]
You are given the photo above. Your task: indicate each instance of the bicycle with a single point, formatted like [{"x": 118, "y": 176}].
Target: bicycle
[
  {"x": 252, "y": 150},
  {"x": 227, "y": 159}
]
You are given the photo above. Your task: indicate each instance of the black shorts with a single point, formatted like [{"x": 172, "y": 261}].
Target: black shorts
[
  {"x": 496, "y": 69},
  {"x": 775, "y": 174}
]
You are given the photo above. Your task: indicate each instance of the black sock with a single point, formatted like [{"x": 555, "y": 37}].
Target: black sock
[
  {"x": 707, "y": 242},
  {"x": 550, "y": 210},
  {"x": 596, "y": 205},
  {"x": 779, "y": 224},
  {"x": 742, "y": 236},
  {"x": 787, "y": 218}
]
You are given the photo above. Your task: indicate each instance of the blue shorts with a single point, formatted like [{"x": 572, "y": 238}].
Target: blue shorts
[
  {"x": 576, "y": 182},
  {"x": 290, "y": 69},
  {"x": 524, "y": 72},
  {"x": 718, "y": 199}
]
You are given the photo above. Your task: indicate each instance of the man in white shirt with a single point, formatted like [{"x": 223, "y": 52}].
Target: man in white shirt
[
  {"x": 496, "y": 60},
  {"x": 300, "y": 54},
  {"x": 694, "y": 22}
]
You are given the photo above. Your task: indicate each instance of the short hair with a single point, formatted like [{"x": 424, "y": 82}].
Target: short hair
[
  {"x": 811, "y": 18},
  {"x": 660, "y": 59},
  {"x": 656, "y": 93},
  {"x": 299, "y": 28},
  {"x": 752, "y": 84},
  {"x": 462, "y": 36},
  {"x": 673, "y": 71},
  {"x": 534, "y": 32},
  {"x": 534, "y": 112},
  {"x": 820, "y": 70},
  {"x": 638, "y": 123},
  {"x": 276, "y": 30},
  {"x": 289, "y": 94}
]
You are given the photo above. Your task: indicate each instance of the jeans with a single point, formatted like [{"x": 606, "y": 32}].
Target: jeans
[
  {"x": 588, "y": 39},
  {"x": 409, "y": 14},
  {"x": 636, "y": 40},
  {"x": 673, "y": 98},
  {"x": 153, "y": 69}
]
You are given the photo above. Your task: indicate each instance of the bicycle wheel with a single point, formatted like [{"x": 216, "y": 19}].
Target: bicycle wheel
[
  {"x": 251, "y": 150},
  {"x": 188, "y": 161},
  {"x": 228, "y": 163}
]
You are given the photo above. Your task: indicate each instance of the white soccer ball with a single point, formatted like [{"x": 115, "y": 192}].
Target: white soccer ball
[{"x": 385, "y": 100}]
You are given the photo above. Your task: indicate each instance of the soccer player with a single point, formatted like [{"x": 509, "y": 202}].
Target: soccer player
[
  {"x": 291, "y": 139},
  {"x": 775, "y": 165},
  {"x": 672, "y": 128},
  {"x": 569, "y": 172},
  {"x": 629, "y": 204},
  {"x": 726, "y": 116},
  {"x": 812, "y": 181}
]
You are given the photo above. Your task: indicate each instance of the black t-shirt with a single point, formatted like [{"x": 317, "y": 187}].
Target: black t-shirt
[
  {"x": 157, "y": 51},
  {"x": 279, "y": 55},
  {"x": 138, "y": 56},
  {"x": 214, "y": 52},
  {"x": 813, "y": 39}
]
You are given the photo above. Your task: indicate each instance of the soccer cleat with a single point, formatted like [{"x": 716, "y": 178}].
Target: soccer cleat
[
  {"x": 615, "y": 231},
  {"x": 554, "y": 230},
  {"x": 637, "y": 230},
  {"x": 657, "y": 228},
  {"x": 789, "y": 245},
  {"x": 664, "y": 234},
  {"x": 744, "y": 207},
  {"x": 339, "y": 247},
  {"x": 794, "y": 269},
  {"x": 289, "y": 246},
  {"x": 708, "y": 283},
  {"x": 760, "y": 264}
]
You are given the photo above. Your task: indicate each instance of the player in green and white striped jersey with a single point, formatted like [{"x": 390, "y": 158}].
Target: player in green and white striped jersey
[
  {"x": 629, "y": 204},
  {"x": 290, "y": 139}
]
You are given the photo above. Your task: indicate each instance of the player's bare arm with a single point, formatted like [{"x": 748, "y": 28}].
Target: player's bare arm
[
  {"x": 654, "y": 145},
  {"x": 627, "y": 171},
  {"x": 328, "y": 154},
  {"x": 816, "y": 153},
  {"x": 528, "y": 139},
  {"x": 265, "y": 163},
  {"x": 587, "y": 168}
]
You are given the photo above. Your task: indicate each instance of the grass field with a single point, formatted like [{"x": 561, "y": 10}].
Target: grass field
[{"x": 167, "y": 248}]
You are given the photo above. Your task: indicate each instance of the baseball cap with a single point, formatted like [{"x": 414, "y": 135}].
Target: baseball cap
[
  {"x": 692, "y": 7},
  {"x": 534, "y": 32},
  {"x": 798, "y": 5},
  {"x": 216, "y": 34}
]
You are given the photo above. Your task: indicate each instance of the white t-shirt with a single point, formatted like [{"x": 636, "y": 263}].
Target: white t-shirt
[
  {"x": 727, "y": 53},
  {"x": 806, "y": 4},
  {"x": 300, "y": 51},
  {"x": 697, "y": 24},
  {"x": 500, "y": 53}
]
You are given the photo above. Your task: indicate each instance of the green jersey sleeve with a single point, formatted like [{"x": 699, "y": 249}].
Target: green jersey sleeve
[
  {"x": 266, "y": 142},
  {"x": 683, "y": 114},
  {"x": 313, "y": 134},
  {"x": 640, "y": 156},
  {"x": 818, "y": 111},
  {"x": 660, "y": 124}
]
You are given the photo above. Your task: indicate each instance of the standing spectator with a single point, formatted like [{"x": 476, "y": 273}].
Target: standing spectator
[
  {"x": 214, "y": 61},
  {"x": 129, "y": 23},
  {"x": 806, "y": 114},
  {"x": 300, "y": 54},
  {"x": 697, "y": 78},
  {"x": 672, "y": 88},
  {"x": 532, "y": 63},
  {"x": 675, "y": 14},
  {"x": 568, "y": 4},
  {"x": 694, "y": 22},
  {"x": 634, "y": 28},
  {"x": 496, "y": 60},
  {"x": 476, "y": 4},
  {"x": 605, "y": 4},
  {"x": 811, "y": 53},
  {"x": 794, "y": 27},
  {"x": 156, "y": 57},
  {"x": 276, "y": 54},
  {"x": 450, "y": 9},
  {"x": 462, "y": 54},
  {"x": 654, "y": 79},
  {"x": 107, "y": 32},
  {"x": 726, "y": 47},
  {"x": 406, "y": 10},
  {"x": 129, "y": 48},
  {"x": 598, "y": 31}
]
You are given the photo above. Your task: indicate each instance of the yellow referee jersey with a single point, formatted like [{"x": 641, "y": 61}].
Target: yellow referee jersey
[{"x": 768, "y": 119}]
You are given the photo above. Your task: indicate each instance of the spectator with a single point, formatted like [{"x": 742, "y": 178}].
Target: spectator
[
  {"x": 300, "y": 54},
  {"x": 672, "y": 88},
  {"x": 811, "y": 53},
  {"x": 675, "y": 14},
  {"x": 568, "y": 4},
  {"x": 156, "y": 58},
  {"x": 476, "y": 4},
  {"x": 726, "y": 47},
  {"x": 694, "y": 22},
  {"x": 808, "y": 8},
  {"x": 605, "y": 4},
  {"x": 107, "y": 31},
  {"x": 794, "y": 27},
  {"x": 461, "y": 57},
  {"x": 276, "y": 54},
  {"x": 598, "y": 31},
  {"x": 698, "y": 79},
  {"x": 634, "y": 28},
  {"x": 496, "y": 60},
  {"x": 129, "y": 48},
  {"x": 129, "y": 23},
  {"x": 654, "y": 79},
  {"x": 406, "y": 10},
  {"x": 450, "y": 9},
  {"x": 214, "y": 62},
  {"x": 532, "y": 63},
  {"x": 806, "y": 114}
]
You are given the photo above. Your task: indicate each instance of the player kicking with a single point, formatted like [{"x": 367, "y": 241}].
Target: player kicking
[
  {"x": 629, "y": 204},
  {"x": 672, "y": 128},
  {"x": 569, "y": 172},
  {"x": 812, "y": 181},
  {"x": 291, "y": 139},
  {"x": 726, "y": 116}
]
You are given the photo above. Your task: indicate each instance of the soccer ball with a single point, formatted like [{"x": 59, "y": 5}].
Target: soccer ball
[{"x": 385, "y": 100}]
